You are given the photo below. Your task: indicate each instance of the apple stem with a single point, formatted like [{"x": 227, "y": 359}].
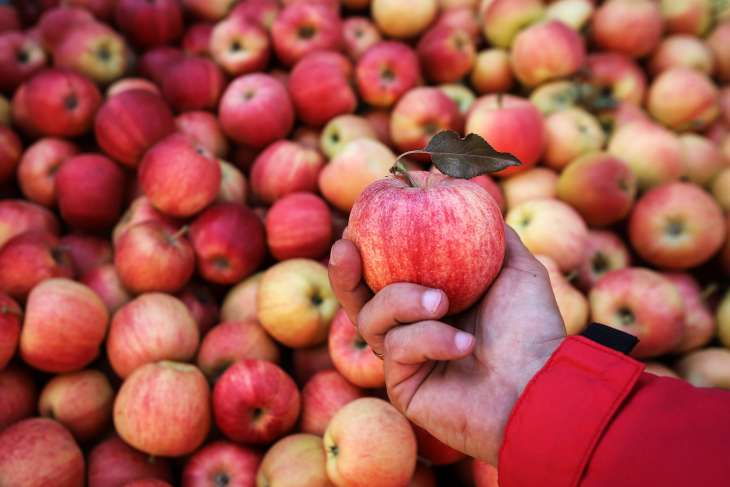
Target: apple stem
[
  {"x": 182, "y": 231},
  {"x": 400, "y": 169}
]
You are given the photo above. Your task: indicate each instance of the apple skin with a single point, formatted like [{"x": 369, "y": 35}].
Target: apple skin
[
  {"x": 131, "y": 122},
  {"x": 703, "y": 159},
  {"x": 676, "y": 226},
  {"x": 194, "y": 83},
  {"x": 163, "y": 408},
  {"x": 152, "y": 256},
  {"x": 419, "y": 115},
  {"x": 233, "y": 185},
  {"x": 94, "y": 50},
  {"x": 11, "y": 149},
  {"x": 492, "y": 72},
  {"x": 687, "y": 16},
  {"x": 695, "y": 110},
  {"x": 720, "y": 186},
  {"x": 154, "y": 63},
  {"x": 211, "y": 10},
  {"x": 630, "y": 27},
  {"x": 658, "y": 368},
  {"x": 113, "y": 463},
  {"x": 255, "y": 402},
  {"x": 19, "y": 216},
  {"x": 295, "y": 303},
  {"x": 385, "y": 72},
  {"x": 38, "y": 166},
  {"x": 56, "y": 22},
  {"x": 297, "y": 460},
  {"x": 21, "y": 56},
  {"x": 553, "y": 228},
  {"x": 434, "y": 197},
  {"x": 105, "y": 282},
  {"x": 239, "y": 303},
  {"x": 572, "y": 304},
  {"x": 29, "y": 258},
  {"x": 618, "y": 72},
  {"x": 653, "y": 153},
  {"x": 196, "y": 40},
  {"x": 308, "y": 361},
  {"x": 707, "y": 367},
  {"x": 368, "y": 442},
  {"x": 178, "y": 177},
  {"x": 148, "y": 483},
  {"x": 509, "y": 124},
  {"x": 433, "y": 450},
  {"x": 344, "y": 129},
  {"x": 239, "y": 46},
  {"x": 359, "y": 34},
  {"x": 446, "y": 53},
  {"x": 229, "y": 243},
  {"x": 9, "y": 18},
  {"x": 555, "y": 96},
  {"x": 600, "y": 187},
  {"x": 90, "y": 191},
  {"x": 699, "y": 322},
  {"x": 261, "y": 12},
  {"x": 403, "y": 20},
  {"x": 571, "y": 133},
  {"x": 10, "y": 318},
  {"x": 547, "y": 51},
  {"x": 604, "y": 252},
  {"x": 532, "y": 184},
  {"x": 87, "y": 251},
  {"x": 140, "y": 210},
  {"x": 352, "y": 356},
  {"x": 203, "y": 307},
  {"x": 485, "y": 475},
  {"x": 63, "y": 103},
  {"x": 682, "y": 51},
  {"x": 255, "y": 110},
  {"x": 303, "y": 28},
  {"x": 18, "y": 395},
  {"x": 723, "y": 320},
  {"x": 643, "y": 303},
  {"x": 460, "y": 17},
  {"x": 503, "y": 19},
  {"x": 322, "y": 396},
  {"x": 37, "y": 452},
  {"x": 299, "y": 225},
  {"x": 221, "y": 463},
  {"x": 718, "y": 42},
  {"x": 149, "y": 23},
  {"x": 80, "y": 401},
  {"x": 204, "y": 129},
  {"x": 231, "y": 341},
  {"x": 285, "y": 167}
]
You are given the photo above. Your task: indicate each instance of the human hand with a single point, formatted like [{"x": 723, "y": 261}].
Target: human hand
[{"x": 458, "y": 377}]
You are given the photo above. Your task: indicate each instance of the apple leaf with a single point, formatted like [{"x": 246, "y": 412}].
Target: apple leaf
[{"x": 462, "y": 158}]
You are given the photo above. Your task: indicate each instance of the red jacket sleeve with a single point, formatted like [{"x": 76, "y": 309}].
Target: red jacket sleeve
[{"x": 592, "y": 418}]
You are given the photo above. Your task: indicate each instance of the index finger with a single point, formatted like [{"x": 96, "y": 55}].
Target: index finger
[{"x": 345, "y": 272}]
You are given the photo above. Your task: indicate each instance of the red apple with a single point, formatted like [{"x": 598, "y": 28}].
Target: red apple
[
  {"x": 718, "y": 42},
  {"x": 341, "y": 130},
  {"x": 617, "y": 73},
  {"x": 534, "y": 184},
  {"x": 194, "y": 83},
  {"x": 113, "y": 463},
  {"x": 295, "y": 461},
  {"x": 385, "y": 72},
  {"x": 56, "y": 22},
  {"x": 631, "y": 27},
  {"x": 40, "y": 451},
  {"x": 255, "y": 402},
  {"x": 239, "y": 45},
  {"x": 299, "y": 225},
  {"x": 402, "y": 20},
  {"x": 105, "y": 282},
  {"x": 196, "y": 40},
  {"x": 303, "y": 28},
  {"x": 308, "y": 361},
  {"x": 419, "y": 115},
  {"x": 435, "y": 451},
  {"x": 699, "y": 323},
  {"x": 359, "y": 35},
  {"x": 140, "y": 211},
  {"x": 18, "y": 395},
  {"x": 503, "y": 19},
  {"x": 460, "y": 17},
  {"x": 149, "y": 23},
  {"x": 154, "y": 63},
  {"x": 163, "y": 408},
  {"x": 94, "y": 50},
  {"x": 380, "y": 122},
  {"x": 87, "y": 252},
  {"x": 322, "y": 396},
  {"x": 9, "y": 18},
  {"x": 38, "y": 166},
  {"x": 571, "y": 133},
  {"x": 352, "y": 356},
  {"x": 261, "y": 12},
  {"x": 693, "y": 17},
  {"x": 694, "y": 110},
  {"x": 208, "y": 9},
  {"x": 11, "y": 150},
  {"x": 21, "y": 56},
  {"x": 131, "y": 122},
  {"x": 203, "y": 128},
  {"x": 221, "y": 463},
  {"x": 285, "y": 167},
  {"x": 10, "y": 319},
  {"x": 446, "y": 54},
  {"x": 492, "y": 72},
  {"x": 18, "y": 216},
  {"x": 240, "y": 302},
  {"x": 682, "y": 51},
  {"x": 255, "y": 110},
  {"x": 202, "y": 305},
  {"x": 604, "y": 252},
  {"x": 148, "y": 483}
]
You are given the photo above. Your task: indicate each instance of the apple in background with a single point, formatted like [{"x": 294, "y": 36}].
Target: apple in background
[
  {"x": 40, "y": 451},
  {"x": 682, "y": 51},
  {"x": 307, "y": 136},
  {"x": 693, "y": 17},
  {"x": 11, "y": 149},
  {"x": 18, "y": 216},
  {"x": 420, "y": 114},
  {"x": 229, "y": 243},
  {"x": 492, "y": 72},
  {"x": 148, "y": 483},
  {"x": 706, "y": 368},
  {"x": 618, "y": 73},
  {"x": 140, "y": 211},
  {"x": 433, "y": 450},
  {"x": 255, "y": 110},
  {"x": 62, "y": 103},
  {"x": 623, "y": 114},
  {"x": 21, "y": 56},
  {"x": 463, "y": 96},
  {"x": 721, "y": 189},
  {"x": 154, "y": 63},
  {"x": 255, "y": 402},
  {"x": 30, "y": 258},
  {"x": 4, "y": 111},
  {"x": 402, "y": 20},
  {"x": 308, "y": 361},
  {"x": 149, "y": 23},
  {"x": 703, "y": 160},
  {"x": 359, "y": 34},
  {"x": 163, "y": 408},
  {"x": 38, "y": 166},
  {"x": 131, "y": 122},
  {"x": 573, "y": 13},
  {"x": 446, "y": 54},
  {"x": 239, "y": 46},
  {"x": 677, "y": 226},
  {"x": 380, "y": 122},
  {"x": 240, "y": 301},
  {"x": 203, "y": 128},
  {"x": 322, "y": 396},
  {"x": 604, "y": 252},
  {"x": 534, "y": 184},
  {"x": 86, "y": 251},
  {"x": 344, "y": 129},
  {"x": 368, "y": 442},
  {"x": 571, "y": 133},
  {"x": 657, "y": 368},
  {"x": 295, "y": 461},
  {"x": 94, "y": 50},
  {"x": 503, "y": 19},
  {"x": 11, "y": 316},
  {"x": 723, "y": 320},
  {"x": 572, "y": 304},
  {"x": 462, "y": 18},
  {"x": 485, "y": 475},
  {"x": 153, "y": 256},
  {"x": 718, "y": 41},
  {"x": 302, "y": 28},
  {"x": 151, "y": 327},
  {"x": 295, "y": 303},
  {"x": 18, "y": 395},
  {"x": 643, "y": 303},
  {"x": 9, "y": 18},
  {"x": 299, "y": 225},
  {"x": 320, "y": 89},
  {"x": 221, "y": 463},
  {"x": 699, "y": 323},
  {"x": 80, "y": 401},
  {"x": 600, "y": 187},
  {"x": 352, "y": 356},
  {"x": 211, "y": 10},
  {"x": 360, "y": 163},
  {"x": 56, "y": 22},
  {"x": 261, "y": 12},
  {"x": 555, "y": 96},
  {"x": 196, "y": 40},
  {"x": 193, "y": 83},
  {"x": 113, "y": 463},
  {"x": 385, "y": 72},
  {"x": 203, "y": 307},
  {"x": 653, "y": 153},
  {"x": 631, "y": 27},
  {"x": 509, "y": 124},
  {"x": 694, "y": 110},
  {"x": 105, "y": 282},
  {"x": 551, "y": 227},
  {"x": 233, "y": 185}
]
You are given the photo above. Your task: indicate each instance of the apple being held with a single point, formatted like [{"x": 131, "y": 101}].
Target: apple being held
[
  {"x": 18, "y": 395},
  {"x": 299, "y": 225},
  {"x": 113, "y": 463},
  {"x": 305, "y": 27},
  {"x": 352, "y": 356},
  {"x": 38, "y": 166},
  {"x": 221, "y": 463},
  {"x": 699, "y": 323},
  {"x": 10, "y": 318},
  {"x": 419, "y": 115},
  {"x": 385, "y": 72},
  {"x": 295, "y": 461},
  {"x": 322, "y": 396},
  {"x": 604, "y": 252}
]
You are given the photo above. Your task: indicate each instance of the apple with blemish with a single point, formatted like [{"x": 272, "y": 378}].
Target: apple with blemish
[
  {"x": 385, "y": 72},
  {"x": 604, "y": 252}
]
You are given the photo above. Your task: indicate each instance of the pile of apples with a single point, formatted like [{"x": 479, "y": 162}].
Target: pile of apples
[{"x": 173, "y": 173}]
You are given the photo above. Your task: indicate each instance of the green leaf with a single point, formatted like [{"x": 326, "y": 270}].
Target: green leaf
[{"x": 463, "y": 158}]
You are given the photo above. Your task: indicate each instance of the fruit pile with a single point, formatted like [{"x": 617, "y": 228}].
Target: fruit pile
[{"x": 173, "y": 173}]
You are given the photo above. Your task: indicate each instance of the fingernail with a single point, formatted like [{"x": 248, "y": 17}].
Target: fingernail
[
  {"x": 335, "y": 253},
  {"x": 463, "y": 340},
  {"x": 430, "y": 300}
]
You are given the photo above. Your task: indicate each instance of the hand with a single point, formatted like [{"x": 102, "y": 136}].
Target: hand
[{"x": 461, "y": 380}]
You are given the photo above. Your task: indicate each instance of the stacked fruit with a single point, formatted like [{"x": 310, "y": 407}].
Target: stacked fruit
[{"x": 173, "y": 173}]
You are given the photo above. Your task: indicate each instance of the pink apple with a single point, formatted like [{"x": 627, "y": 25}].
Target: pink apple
[
  {"x": 631, "y": 27},
  {"x": 295, "y": 461},
  {"x": 359, "y": 35},
  {"x": 703, "y": 160},
  {"x": 140, "y": 211},
  {"x": 163, "y": 408},
  {"x": 154, "y": 63},
  {"x": 707, "y": 367},
  {"x": 503, "y": 19},
  {"x": 492, "y": 72},
  {"x": 86, "y": 251},
  {"x": 223, "y": 463},
  {"x": 285, "y": 167},
  {"x": 718, "y": 42},
  {"x": 446, "y": 54},
  {"x": 617, "y": 73},
  {"x": 149, "y": 23},
  {"x": 322, "y": 396},
  {"x": 21, "y": 57},
  {"x": 535, "y": 183},
  {"x": 682, "y": 51},
  {"x": 385, "y": 72},
  {"x": 693, "y": 17},
  {"x": 11, "y": 149},
  {"x": 604, "y": 252},
  {"x": 18, "y": 216},
  {"x": 308, "y": 361},
  {"x": 194, "y": 83},
  {"x": 352, "y": 356},
  {"x": 113, "y": 463},
  {"x": 460, "y": 17},
  {"x": 18, "y": 395},
  {"x": 305, "y": 27},
  {"x": 38, "y": 166},
  {"x": 239, "y": 45},
  {"x": 204, "y": 129},
  {"x": 261, "y": 12},
  {"x": 299, "y": 225},
  {"x": 419, "y": 115},
  {"x": 239, "y": 303},
  {"x": 105, "y": 282},
  {"x": 571, "y": 133},
  {"x": 94, "y": 50},
  {"x": 56, "y": 22},
  {"x": 695, "y": 110},
  {"x": 196, "y": 40},
  {"x": 202, "y": 305},
  {"x": 699, "y": 322}
]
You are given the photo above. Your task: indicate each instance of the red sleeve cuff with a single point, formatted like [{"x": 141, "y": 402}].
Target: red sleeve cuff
[{"x": 562, "y": 413}]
